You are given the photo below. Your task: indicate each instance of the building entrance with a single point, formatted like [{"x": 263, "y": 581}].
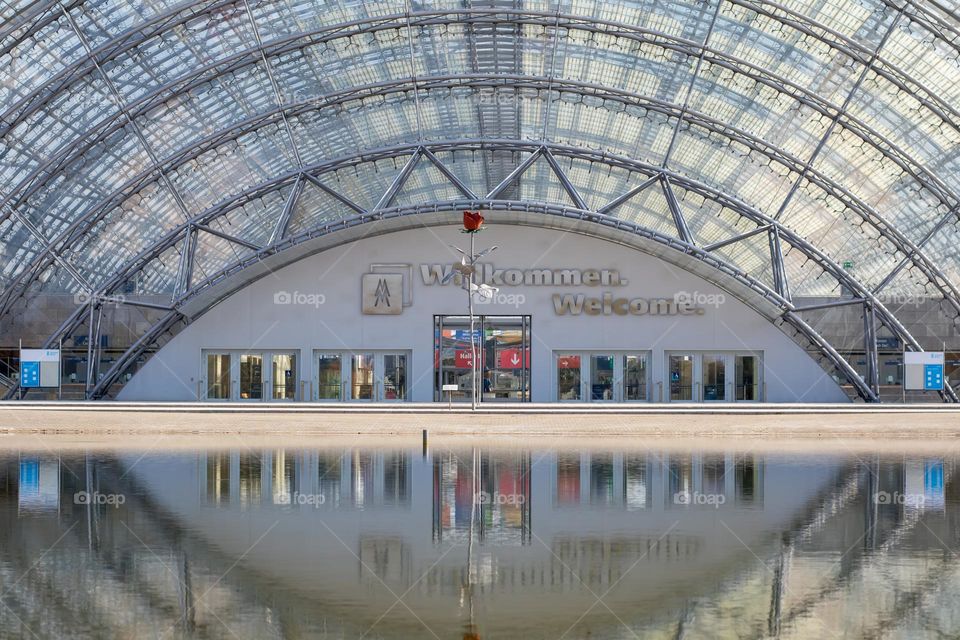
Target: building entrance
[
  {"x": 503, "y": 345},
  {"x": 584, "y": 376},
  {"x": 361, "y": 376}
]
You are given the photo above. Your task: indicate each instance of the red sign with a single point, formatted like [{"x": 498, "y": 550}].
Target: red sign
[
  {"x": 462, "y": 359},
  {"x": 568, "y": 362},
  {"x": 513, "y": 359}
]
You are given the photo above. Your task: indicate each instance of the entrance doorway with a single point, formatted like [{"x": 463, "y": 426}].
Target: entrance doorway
[
  {"x": 602, "y": 376},
  {"x": 249, "y": 376},
  {"x": 361, "y": 376},
  {"x": 714, "y": 377},
  {"x": 503, "y": 345}
]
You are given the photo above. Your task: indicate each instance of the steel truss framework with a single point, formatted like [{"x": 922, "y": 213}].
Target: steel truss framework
[{"x": 489, "y": 71}]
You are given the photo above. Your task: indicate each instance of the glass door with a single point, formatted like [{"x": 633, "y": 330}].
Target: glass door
[
  {"x": 714, "y": 376},
  {"x": 569, "y": 387},
  {"x": 251, "y": 376},
  {"x": 361, "y": 376},
  {"x": 392, "y": 383},
  {"x": 602, "y": 378},
  {"x": 218, "y": 376},
  {"x": 680, "y": 371},
  {"x": 747, "y": 378},
  {"x": 329, "y": 376},
  {"x": 283, "y": 376},
  {"x": 635, "y": 374},
  {"x": 502, "y": 345}
]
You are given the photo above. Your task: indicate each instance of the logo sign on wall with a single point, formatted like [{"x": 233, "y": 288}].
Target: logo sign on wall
[
  {"x": 923, "y": 370},
  {"x": 39, "y": 368},
  {"x": 382, "y": 294}
]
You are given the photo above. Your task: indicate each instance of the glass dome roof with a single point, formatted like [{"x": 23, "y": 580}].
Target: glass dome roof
[{"x": 811, "y": 145}]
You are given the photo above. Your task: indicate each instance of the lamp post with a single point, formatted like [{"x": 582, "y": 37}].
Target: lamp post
[{"x": 473, "y": 224}]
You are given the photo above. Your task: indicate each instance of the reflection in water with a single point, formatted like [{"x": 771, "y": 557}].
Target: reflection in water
[{"x": 477, "y": 542}]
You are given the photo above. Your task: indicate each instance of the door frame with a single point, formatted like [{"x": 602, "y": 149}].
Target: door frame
[{"x": 586, "y": 373}]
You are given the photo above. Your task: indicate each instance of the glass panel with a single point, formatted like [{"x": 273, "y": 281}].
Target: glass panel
[
  {"x": 362, "y": 376},
  {"x": 714, "y": 378},
  {"x": 635, "y": 377},
  {"x": 454, "y": 359},
  {"x": 504, "y": 347},
  {"x": 746, "y": 378},
  {"x": 251, "y": 376},
  {"x": 601, "y": 377},
  {"x": 681, "y": 377},
  {"x": 395, "y": 376},
  {"x": 218, "y": 376},
  {"x": 568, "y": 377},
  {"x": 284, "y": 375},
  {"x": 328, "y": 376},
  {"x": 506, "y": 360}
]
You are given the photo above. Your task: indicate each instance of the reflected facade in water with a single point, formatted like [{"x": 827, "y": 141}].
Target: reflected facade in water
[{"x": 484, "y": 541}]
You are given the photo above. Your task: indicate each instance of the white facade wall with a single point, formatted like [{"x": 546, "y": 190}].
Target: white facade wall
[{"x": 332, "y": 319}]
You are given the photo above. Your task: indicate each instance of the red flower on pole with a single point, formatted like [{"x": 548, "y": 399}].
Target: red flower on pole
[{"x": 472, "y": 221}]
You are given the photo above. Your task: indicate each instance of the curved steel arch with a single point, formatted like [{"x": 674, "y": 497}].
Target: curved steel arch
[
  {"x": 725, "y": 272},
  {"x": 789, "y": 312},
  {"x": 280, "y": 46},
  {"x": 864, "y": 57},
  {"x": 81, "y": 225}
]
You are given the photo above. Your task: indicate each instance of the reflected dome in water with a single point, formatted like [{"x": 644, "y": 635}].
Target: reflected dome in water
[{"x": 475, "y": 543}]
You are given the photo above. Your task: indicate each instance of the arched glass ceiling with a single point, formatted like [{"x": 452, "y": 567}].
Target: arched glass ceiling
[{"x": 162, "y": 143}]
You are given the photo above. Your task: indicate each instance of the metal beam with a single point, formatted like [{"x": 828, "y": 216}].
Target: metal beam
[
  {"x": 833, "y": 121},
  {"x": 776, "y": 259},
  {"x": 391, "y": 193},
  {"x": 870, "y": 347},
  {"x": 953, "y": 213},
  {"x": 619, "y": 200},
  {"x": 280, "y": 230},
  {"x": 228, "y": 237},
  {"x": 737, "y": 238},
  {"x": 683, "y": 231},
  {"x": 39, "y": 237},
  {"x": 833, "y": 304},
  {"x": 515, "y": 174},
  {"x": 863, "y": 390},
  {"x": 185, "y": 270},
  {"x": 456, "y": 181},
  {"x": 335, "y": 194},
  {"x": 564, "y": 180},
  {"x": 291, "y": 139},
  {"x": 693, "y": 80}
]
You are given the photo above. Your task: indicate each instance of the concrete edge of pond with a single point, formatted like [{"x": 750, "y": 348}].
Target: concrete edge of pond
[{"x": 765, "y": 422}]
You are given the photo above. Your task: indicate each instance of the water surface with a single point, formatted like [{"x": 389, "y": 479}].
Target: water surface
[{"x": 477, "y": 542}]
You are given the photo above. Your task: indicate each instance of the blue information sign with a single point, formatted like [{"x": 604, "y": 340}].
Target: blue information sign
[
  {"x": 933, "y": 377},
  {"x": 29, "y": 375}
]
